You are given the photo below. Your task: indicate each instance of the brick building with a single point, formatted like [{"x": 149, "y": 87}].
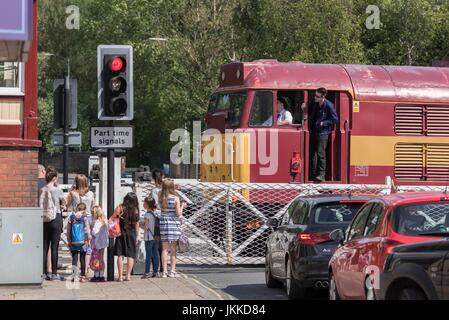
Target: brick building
[{"x": 19, "y": 142}]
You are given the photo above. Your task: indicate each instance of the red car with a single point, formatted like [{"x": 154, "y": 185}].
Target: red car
[{"x": 379, "y": 226}]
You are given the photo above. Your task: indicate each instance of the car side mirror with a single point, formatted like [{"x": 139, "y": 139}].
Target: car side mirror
[
  {"x": 337, "y": 235},
  {"x": 272, "y": 222}
]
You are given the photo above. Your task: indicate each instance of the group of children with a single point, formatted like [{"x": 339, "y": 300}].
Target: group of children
[{"x": 83, "y": 237}]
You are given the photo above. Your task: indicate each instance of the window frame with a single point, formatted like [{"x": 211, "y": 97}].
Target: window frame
[
  {"x": 293, "y": 125},
  {"x": 16, "y": 91},
  {"x": 292, "y": 206},
  {"x": 379, "y": 219},
  {"x": 272, "y": 111},
  {"x": 316, "y": 206},
  {"x": 301, "y": 210},
  {"x": 242, "y": 109},
  {"x": 392, "y": 214},
  {"x": 361, "y": 211}
]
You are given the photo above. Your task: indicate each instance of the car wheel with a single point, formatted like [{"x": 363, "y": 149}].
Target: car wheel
[
  {"x": 333, "y": 292},
  {"x": 411, "y": 294},
  {"x": 294, "y": 290},
  {"x": 269, "y": 280}
]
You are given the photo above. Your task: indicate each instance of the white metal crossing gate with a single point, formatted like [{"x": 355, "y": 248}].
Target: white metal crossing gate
[{"x": 225, "y": 222}]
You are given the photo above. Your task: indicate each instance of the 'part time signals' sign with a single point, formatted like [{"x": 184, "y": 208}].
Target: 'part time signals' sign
[{"x": 112, "y": 137}]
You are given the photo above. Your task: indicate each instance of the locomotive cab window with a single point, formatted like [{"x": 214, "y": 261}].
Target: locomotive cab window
[
  {"x": 233, "y": 102},
  {"x": 262, "y": 110},
  {"x": 236, "y": 108},
  {"x": 213, "y": 103},
  {"x": 292, "y": 103}
]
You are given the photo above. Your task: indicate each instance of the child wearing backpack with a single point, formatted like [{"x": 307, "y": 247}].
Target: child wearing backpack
[
  {"x": 152, "y": 237},
  {"x": 100, "y": 241},
  {"x": 78, "y": 238}
]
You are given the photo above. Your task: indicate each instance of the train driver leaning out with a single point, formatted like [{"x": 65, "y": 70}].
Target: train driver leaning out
[{"x": 284, "y": 117}]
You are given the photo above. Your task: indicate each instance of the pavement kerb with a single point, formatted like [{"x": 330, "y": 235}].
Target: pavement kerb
[{"x": 205, "y": 289}]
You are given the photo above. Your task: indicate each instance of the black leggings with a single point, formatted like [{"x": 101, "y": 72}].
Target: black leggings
[
  {"x": 319, "y": 156},
  {"x": 52, "y": 235},
  {"x": 82, "y": 261},
  {"x": 160, "y": 260}
]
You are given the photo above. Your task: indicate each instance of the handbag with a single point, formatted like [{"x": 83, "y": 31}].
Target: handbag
[
  {"x": 114, "y": 230},
  {"x": 96, "y": 262}
]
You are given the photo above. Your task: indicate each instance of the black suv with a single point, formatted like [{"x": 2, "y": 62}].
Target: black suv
[
  {"x": 299, "y": 248},
  {"x": 418, "y": 271}
]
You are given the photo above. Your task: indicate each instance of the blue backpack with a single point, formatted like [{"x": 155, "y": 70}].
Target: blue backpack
[{"x": 77, "y": 231}]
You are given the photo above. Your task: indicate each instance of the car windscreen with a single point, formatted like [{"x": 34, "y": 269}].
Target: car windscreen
[
  {"x": 421, "y": 219},
  {"x": 334, "y": 213}
]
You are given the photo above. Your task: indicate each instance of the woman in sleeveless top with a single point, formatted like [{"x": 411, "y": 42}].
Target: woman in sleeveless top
[{"x": 170, "y": 225}]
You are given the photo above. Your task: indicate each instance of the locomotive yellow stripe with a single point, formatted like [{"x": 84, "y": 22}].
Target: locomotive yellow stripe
[
  {"x": 379, "y": 151},
  {"x": 221, "y": 172}
]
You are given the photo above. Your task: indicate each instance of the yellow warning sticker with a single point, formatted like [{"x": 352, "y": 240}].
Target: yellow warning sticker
[
  {"x": 17, "y": 238},
  {"x": 356, "y": 106}
]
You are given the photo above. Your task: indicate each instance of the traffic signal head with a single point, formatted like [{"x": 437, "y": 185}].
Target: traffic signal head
[{"x": 115, "y": 83}]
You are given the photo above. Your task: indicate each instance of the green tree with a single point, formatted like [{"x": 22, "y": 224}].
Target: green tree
[
  {"x": 406, "y": 34},
  {"x": 310, "y": 30}
]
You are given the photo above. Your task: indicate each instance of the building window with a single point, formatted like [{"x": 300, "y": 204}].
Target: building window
[{"x": 11, "y": 78}]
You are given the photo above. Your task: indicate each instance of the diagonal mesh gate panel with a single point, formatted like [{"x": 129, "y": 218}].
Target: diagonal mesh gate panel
[{"x": 225, "y": 222}]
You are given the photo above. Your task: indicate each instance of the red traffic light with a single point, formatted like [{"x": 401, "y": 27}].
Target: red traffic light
[{"x": 117, "y": 64}]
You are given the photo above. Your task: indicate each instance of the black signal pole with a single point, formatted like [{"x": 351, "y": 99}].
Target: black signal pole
[
  {"x": 111, "y": 207},
  {"x": 67, "y": 108}
]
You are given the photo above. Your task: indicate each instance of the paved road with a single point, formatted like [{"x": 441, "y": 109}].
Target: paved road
[{"x": 238, "y": 283}]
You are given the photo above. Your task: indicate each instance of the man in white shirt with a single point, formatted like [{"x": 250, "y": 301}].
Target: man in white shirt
[{"x": 284, "y": 117}]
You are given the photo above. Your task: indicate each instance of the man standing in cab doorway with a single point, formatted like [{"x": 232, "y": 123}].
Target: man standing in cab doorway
[{"x": 321, "y": 122}]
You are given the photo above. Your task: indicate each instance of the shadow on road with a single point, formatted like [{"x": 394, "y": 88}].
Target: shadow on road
[
  {"x": 261, "y": 292},
  {"x": 254, "y": 292}
]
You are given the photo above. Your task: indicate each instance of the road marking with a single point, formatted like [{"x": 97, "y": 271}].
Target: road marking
[{"x": 194, "y": 278}]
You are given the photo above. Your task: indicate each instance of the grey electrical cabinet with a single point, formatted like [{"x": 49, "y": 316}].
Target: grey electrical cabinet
[{"x": 21, "y": 246}]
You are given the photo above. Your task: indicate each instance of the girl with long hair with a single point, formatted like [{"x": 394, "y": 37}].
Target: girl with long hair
[
  {"x": 80, "y": 193},
  {"x": 126, "y": 243},
  {"x": 170, "y": 225}
]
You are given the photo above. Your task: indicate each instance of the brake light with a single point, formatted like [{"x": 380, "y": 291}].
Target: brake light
[
  {"x": 353, "y": 201},
  {"x": 313, "y": 238},
  {"x": 388, "y": 245},
  {"x": 445, "y": 198}
]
